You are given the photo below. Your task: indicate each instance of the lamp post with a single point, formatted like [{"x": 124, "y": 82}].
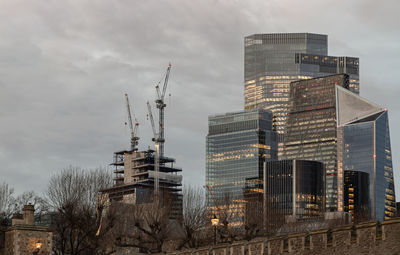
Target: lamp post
[
  {"x": 214, "y": 222},
  {"x": 38, "y": 246}
]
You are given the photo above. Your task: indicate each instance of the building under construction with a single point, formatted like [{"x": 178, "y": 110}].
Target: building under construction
[
  {"x": 143, "y": 176},
  {"x": 135, "y": 176}
]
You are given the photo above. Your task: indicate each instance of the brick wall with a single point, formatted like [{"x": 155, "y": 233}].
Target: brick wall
[{"x": 365, "y": 238}]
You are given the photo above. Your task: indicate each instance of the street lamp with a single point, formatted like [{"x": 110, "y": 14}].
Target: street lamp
[
  {"x": 38, "y": 246},
  {"x": 214, "y": 222}
]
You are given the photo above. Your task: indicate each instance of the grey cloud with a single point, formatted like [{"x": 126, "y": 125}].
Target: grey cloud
[{"x": 65, "y": 66}]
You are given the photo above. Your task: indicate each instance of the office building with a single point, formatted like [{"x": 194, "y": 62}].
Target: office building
[
  {"x": 273, "y": 61},
  {"x": 364, "y": 145},
  {"x": 237, "y": 146},
  {"x": 293, "y": 188},
  {"x": 311, "y": 126},
  {"x": 330, "y": 124},
  {"x": 356, "y": 195}
]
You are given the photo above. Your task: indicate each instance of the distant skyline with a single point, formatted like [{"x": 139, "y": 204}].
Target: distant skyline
[{"x": 65, "y": 66}]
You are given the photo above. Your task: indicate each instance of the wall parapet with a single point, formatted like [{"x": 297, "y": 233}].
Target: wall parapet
[{"x": 364, "y": 238}]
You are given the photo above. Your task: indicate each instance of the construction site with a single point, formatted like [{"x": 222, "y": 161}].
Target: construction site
[{"x": 142, "y": 177}]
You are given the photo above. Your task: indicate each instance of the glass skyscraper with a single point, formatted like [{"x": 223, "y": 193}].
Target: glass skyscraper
[
  {"x": 273, "y": 61},
  {"x": 311, "y": 126},
  {"x": 237, "y": 145},
  {"x": 363, "y": 145},
  {"x": 330, "y": 124}
]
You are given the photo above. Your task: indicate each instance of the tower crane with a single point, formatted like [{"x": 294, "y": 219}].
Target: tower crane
[
  {"x": 134, "y": 129},
  {"x": 156, "y": 154},
  {"x": 159, "y": 138},
  {"x": 160, "y": 104}
]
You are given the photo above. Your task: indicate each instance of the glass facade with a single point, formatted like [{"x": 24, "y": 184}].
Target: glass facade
[
  {"x": 385, "y": 196},
  {"x": 236, "y": 146},
  {"x": 330, "y": 124},
  {"x": 288, "y": 187},
  {"x": 365, "y": 143},
  {"x": 308, "y": 188},
  {"x": 273, "y": 61},
  {"x": 311, "y": 126},
  {"x": 356, "y": 195}
]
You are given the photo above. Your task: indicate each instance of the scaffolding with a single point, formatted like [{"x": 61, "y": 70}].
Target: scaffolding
[{"x": 135, "y": 176}]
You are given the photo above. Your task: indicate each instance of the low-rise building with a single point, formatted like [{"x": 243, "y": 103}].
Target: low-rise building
[{"x": 23, "y": 237}]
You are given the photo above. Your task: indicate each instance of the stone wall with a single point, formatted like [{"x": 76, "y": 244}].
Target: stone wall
[
  {"x": 365, "y": 238},
  {"x": 21, "y": 240},
  {"x": 23, "y": 235}
]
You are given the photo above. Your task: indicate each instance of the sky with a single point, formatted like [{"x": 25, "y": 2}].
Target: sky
[{"x": 66, "y": 65}]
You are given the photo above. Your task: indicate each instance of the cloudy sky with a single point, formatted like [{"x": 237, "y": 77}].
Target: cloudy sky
[{"x": 65, "y": 66}]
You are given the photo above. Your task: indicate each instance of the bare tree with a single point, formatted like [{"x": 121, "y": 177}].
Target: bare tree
[
  {"x": 194, "y": 219},
  {"x": 6, "y": 201},
  {"x": 274, "y": 217},
  {"x": 231, "y": 216},
  {"x": 30, "y": 197},
  {"x": 10, "y": 204},
  {"x": 143, "y": 226},
  {"x": 253, "y": 215},
  {"x": 72, "y": 195}
]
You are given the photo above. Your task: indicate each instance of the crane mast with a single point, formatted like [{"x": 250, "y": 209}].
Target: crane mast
[
  {"x": 159, "y": 138},
  {"x": 156, "y": 154},
  {"x": 160, "y": 104},
  {"x": 134, "y": 130}
]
